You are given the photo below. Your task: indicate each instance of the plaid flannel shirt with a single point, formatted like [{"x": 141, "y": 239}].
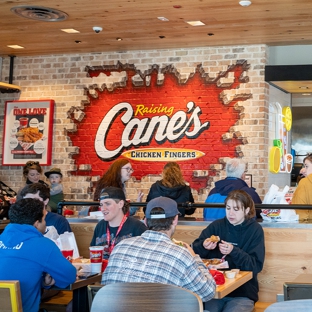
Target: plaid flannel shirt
[{"x": 154, "y": 258}]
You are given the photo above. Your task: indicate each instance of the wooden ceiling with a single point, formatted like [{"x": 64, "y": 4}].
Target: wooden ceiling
[{"x": 279, "y": 22}]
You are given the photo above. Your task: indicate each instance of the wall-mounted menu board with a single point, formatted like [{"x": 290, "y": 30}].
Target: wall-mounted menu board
[{"x": 28, "y": 131}]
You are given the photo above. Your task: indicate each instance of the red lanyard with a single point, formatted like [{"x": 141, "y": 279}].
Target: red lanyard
[{"x": 111, "y": 244}]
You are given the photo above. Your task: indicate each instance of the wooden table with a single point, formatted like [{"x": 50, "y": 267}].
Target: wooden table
[
  {"x": 80, "y": 292},
  {"x": 232, "y": 284}
]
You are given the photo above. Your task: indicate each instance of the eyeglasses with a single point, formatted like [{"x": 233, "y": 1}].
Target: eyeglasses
[
  {"x": 128, "y": 169},
  {"x": 31, "y": 163}
]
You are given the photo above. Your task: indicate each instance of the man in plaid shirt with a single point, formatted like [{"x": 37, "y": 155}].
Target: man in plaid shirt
[{"x": 154, "y": 258}]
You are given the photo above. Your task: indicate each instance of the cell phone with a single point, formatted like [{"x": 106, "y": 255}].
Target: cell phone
[{"x": 84, "y": 275}]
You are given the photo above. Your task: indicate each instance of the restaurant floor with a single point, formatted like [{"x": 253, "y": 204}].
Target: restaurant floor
[{"x": 59, "y": 302}]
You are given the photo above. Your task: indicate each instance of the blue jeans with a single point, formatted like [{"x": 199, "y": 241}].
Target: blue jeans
[{"x": 230, "y": 304}]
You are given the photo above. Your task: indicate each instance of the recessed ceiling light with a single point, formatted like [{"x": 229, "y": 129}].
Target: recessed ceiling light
[
  {"x": 70, "y": 31},
  {"x": 306, "y": 93},
  {"x": 162, "y": 37},
  {"x": 118, "y": 39},
  {"x": 15, "y": 46},
  {"x": 77, "y": 41},
  {"x": 195, "y": 23},
  {"x": 304, "y": 87},
  {"x": 210, "y": 34},
  {"x": 245, "y": 3},
  {"x": 162, "y": 18}
]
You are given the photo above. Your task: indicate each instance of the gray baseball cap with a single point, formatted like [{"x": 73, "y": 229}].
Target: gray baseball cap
[{"x": 169, "y": 206}]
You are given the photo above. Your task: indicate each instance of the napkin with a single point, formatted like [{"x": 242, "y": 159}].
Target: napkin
[{"x": 218, "y": 277}]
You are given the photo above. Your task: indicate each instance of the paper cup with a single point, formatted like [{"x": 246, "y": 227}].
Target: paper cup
[
  {"x": 96, "y": 257},
  {"x": 23, "y": 122},
  {"x": 68, "y": 254}
]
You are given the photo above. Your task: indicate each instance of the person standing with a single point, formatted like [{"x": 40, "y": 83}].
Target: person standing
[
  {"x": 172, "y": 185},
  {"x": 303, "y": 192},
  {"x": 56, "y": 190},
  {"x": 118, "y": 173},
  {"x": 242, "y": 244},
  {"x": 235, "y": 174},
  {"x": 27, "y": 256},
  {"x": 116, "y": 225}
]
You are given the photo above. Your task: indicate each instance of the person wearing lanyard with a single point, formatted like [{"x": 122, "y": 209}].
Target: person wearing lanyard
[{"x": 116, "y": 225}]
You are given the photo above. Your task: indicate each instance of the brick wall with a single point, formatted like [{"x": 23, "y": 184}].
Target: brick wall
[{"x": 63, "y": 79}]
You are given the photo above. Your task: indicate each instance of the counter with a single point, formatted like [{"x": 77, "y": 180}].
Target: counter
[{"x": 288, "y": 249}]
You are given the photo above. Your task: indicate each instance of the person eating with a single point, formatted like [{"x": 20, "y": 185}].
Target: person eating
[{"x": 241, "y": 242}]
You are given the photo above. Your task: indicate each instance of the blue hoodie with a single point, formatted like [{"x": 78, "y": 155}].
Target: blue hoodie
[
  {"x": 220, "y": 192},
  {"x": 25, "y": 255}
]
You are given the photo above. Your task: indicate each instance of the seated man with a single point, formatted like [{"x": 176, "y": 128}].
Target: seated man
[
  {"x": 154, "y": 258},
  {"x": 26, "y": 255},
  {"x": 116, "y": 225},
  {"x": 235, "y": 175},
  {"x": 42, "y": 192}
]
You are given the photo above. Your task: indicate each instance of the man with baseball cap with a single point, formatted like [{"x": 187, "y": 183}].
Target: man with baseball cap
[
  {"x": 116, "y": 225},
  {"x": 154, "y": 258}
]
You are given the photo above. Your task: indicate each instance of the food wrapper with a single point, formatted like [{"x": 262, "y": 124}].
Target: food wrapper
[
  {"x": 83, "y": 265},
  {"x": 215, "y": 264},
  {"x": 218, "y": 277}
]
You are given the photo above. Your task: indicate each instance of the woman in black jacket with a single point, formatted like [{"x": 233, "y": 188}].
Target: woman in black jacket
[{"x": 173, "y": 186}]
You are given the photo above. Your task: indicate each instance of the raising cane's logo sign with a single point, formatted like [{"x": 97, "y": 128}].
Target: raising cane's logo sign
[
  {"x": 156, "y": 117},
  {"x": 160, "y": 127}
]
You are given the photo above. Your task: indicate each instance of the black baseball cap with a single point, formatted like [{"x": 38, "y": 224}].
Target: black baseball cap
[{"x": 113, "y": 193}]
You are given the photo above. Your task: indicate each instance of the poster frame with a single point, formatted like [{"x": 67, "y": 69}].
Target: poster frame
[{"x": 38, "y": 114}]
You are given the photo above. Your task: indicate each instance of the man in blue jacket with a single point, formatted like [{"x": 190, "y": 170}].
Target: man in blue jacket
[
  {"x": 42, "y": 192},
  {"x": 235, "y": 176},
  {"x": 29, "y": 257}
]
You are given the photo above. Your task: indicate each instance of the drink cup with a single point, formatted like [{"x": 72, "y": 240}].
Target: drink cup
[
  {"x": 23, "y": 122},
  {"x": 68, "y": 254},
  {"x": 96, "y": 257}
]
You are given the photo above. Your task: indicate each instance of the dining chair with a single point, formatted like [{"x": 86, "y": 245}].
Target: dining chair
[
  {"x": 145, "y": 297},
  {"x": 10, "y": 296}
]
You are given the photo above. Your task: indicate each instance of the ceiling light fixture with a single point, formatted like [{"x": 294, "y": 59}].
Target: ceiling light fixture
[
  {"x": 245, "y": 3},
  {"x": 195, "y": 23},
  {"x": 70, "y": 31},
  {"x": 15, "y": 46},
  {"x": 304, "y": 87},
  {"x": 306, "y": 93},
  {"x": 163, "y": 19},
  {"x": 119, "y": 39},
  {"x": 77, "y": 41}
]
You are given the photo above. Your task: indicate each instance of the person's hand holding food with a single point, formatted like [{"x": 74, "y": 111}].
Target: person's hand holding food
[{"x": 211, "y": 242}]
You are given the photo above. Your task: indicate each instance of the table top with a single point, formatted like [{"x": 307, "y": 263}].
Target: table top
[
  {"x": 232, "y": 284},
  {"x": 82, "y": 282}
]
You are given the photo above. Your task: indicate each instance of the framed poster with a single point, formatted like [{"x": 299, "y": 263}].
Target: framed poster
[{"x": 28, "y": 132}]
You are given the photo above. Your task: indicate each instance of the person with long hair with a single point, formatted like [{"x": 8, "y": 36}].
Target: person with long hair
[
  {"x": 172, "y": 185},
  {"x": 303, "y": 192},
  {"x": 118, "y": 173},
  {"x": 241, "y": 241},
  {"x": 32, "y": 172}
]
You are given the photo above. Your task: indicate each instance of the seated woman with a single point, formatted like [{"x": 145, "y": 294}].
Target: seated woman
[
  {"x": 173, "y": 186},
  {"x": 242, "y": 243}
]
